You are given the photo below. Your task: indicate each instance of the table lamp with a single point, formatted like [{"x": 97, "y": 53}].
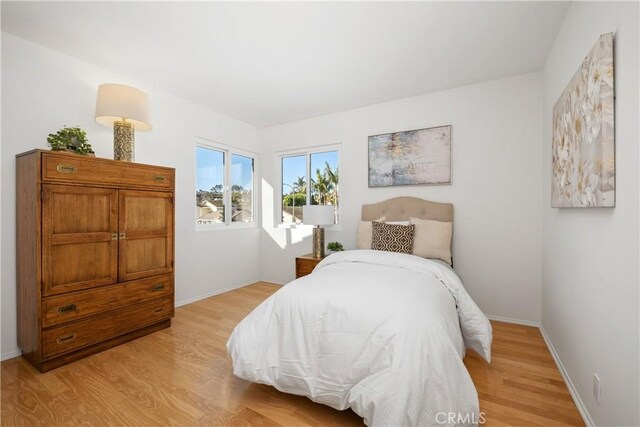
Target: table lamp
[
  {"x": 318, "y": 215},
  {"x": 127, "y": 110}
]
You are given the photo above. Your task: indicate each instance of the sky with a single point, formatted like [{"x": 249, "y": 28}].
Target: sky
[
  {"x": 295, "y": 166},
  {"x": 210, "y": 169}
]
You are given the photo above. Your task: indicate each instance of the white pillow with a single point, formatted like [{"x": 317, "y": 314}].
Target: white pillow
[
  {"x": 365, "y": 233},
  {"x": 432, "y": 239},
  {"x": 398, "y": 222}
]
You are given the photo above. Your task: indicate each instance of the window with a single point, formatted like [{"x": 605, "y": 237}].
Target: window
[
  {"x": 294, "y": 188},
  {"x": 224, "y": 179},
  {"x": 308, "y": 178},
  {"x": 241, "y": 188}
]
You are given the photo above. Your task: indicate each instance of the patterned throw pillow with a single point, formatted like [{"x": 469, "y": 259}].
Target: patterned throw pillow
[{"x": 392, "y": 237}]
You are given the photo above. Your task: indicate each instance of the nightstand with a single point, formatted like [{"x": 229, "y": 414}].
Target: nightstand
[{"x": 305, "y": 264}]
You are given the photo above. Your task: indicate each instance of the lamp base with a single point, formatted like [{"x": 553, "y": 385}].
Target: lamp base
[
  {"x": 318, "y": 242},
  {"x": 124, "y": 143}
]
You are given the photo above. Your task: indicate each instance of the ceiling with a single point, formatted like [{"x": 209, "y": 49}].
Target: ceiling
[{"x": 269, "y": 63}]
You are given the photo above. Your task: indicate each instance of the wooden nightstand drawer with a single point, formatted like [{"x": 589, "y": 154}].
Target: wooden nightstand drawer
[{"x": 305, "y": 265}]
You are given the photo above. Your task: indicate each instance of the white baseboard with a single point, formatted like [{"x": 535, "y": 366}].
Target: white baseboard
[
  {"x": 586, "y": 417},
  {"x": 214, "y": 293},
  {"x": 514, "y": 321},
  {"x": 10, "y": 354}
]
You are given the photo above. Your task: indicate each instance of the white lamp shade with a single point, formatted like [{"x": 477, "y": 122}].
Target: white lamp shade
[
  {"x": 117, "y": 102},
  {"x": 318, "y": 214}
]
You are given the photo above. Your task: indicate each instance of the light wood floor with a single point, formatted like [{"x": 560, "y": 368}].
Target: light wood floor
[{"x": 182, "y": 376}]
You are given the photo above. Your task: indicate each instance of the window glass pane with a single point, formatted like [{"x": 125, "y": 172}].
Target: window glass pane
[
  {"x": 294, "y": 188},
  {"x": 241, "y": 188},
  {"x": 324, "y": 179},
  {"x": 209, "y": 186}
]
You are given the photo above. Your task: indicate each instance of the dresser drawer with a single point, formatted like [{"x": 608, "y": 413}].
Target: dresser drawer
[
  {"x": 77, "y": 305},
  {"x": 302, "y": 269},
  {"x": 305, "y": 265},
  {"x": 90, "y": 170},
  {"x": 70, "y": 337}
]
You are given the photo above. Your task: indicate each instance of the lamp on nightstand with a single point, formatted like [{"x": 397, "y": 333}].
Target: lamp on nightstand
[{"x": 318, "y": 215}]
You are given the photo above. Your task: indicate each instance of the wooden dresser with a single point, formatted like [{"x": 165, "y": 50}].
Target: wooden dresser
[{"x": 95, "y": 242}]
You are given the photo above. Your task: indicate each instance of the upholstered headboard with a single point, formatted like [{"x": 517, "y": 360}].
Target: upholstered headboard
[{"x": 401, "y": 208}]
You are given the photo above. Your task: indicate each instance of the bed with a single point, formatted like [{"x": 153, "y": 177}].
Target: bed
[{"x": 380, "y": 332}]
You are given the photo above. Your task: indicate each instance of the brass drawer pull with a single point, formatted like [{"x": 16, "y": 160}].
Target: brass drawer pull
[
  {"x": 66, "y": 308},
  {"x": 158, "y": 287},
  {"x": 114, "y": 236},
  {"x": 66, "y": 338},
  {"x": 159, "y": 178},
  {"x": 122, "y": 236},
  {"x": 62, "y": 168},
  {"x": 158, "y": 310}
]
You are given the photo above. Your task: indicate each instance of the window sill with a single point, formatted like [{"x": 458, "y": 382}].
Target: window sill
[
  {"x": 290, "y": 225},
  {"x": 287, "y": 226},
  {"x": 221, "y": 227}
]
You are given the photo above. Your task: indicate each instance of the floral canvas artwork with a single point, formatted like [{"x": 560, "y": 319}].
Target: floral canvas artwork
[
  {"x": 411, "y": 157},
  {"x": 583, "y": 151}
]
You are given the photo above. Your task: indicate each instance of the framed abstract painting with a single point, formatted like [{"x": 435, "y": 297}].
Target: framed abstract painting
[
  {"x": 583, "y": 148},
  {"x": 413, "y": 157}
]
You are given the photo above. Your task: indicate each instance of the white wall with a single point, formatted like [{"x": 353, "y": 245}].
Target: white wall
[
  {"x": 44, "y": 90},
  {"x": 496, "y": 184},
  {"x": 590, "y": 256}
]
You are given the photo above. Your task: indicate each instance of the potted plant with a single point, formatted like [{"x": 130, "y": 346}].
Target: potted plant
[
  {"x": 70, "y": 139},
  {"x": 335, "y": 247}
]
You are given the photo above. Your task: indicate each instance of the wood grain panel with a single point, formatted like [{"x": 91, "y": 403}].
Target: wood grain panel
[
  {"x": 186, "y": 371},
  {"x": 305, "y": 265},
  {"x": 146, "y": 213},
  {"x": 79, "y": 266},
  {"x": 77, "y": 305},
  {"x": 79, "y": 253},
  {"x": 145, "y": 257},
  {"x": 76, "y": 210},
  {"x": 146, "y": 234},
  {"x": 28, "y": 273},
  {"x": 68, "y": 337},
  {"x": 64, "y": 167},
  {"x": 303, "y": 270}
]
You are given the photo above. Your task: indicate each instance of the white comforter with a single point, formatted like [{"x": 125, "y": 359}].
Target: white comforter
[{"x": 380, "y": 332}]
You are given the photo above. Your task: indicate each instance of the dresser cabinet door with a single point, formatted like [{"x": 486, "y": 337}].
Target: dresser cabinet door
[
  {"x": 80, "y": 247},
  {"x": 146, "y": 234}
]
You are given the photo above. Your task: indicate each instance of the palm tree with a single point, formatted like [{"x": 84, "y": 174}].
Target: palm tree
[
  {"x": 300, "y": 185},
  {"x": 322, "y": 187},
  {"x": 334, "y": 178}
]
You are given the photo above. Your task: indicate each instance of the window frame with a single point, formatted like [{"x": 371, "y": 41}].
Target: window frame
[
  {"x": 307, "y": 152},
  {"x": 228, "y": 151}
]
